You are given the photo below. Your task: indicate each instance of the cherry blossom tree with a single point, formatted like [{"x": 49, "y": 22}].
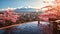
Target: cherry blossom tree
[{"x": 51, "y": 11}]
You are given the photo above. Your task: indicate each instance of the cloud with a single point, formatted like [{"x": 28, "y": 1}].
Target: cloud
[{"x": 21, "y": 7}]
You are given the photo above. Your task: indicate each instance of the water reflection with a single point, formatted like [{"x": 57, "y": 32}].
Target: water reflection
[{"x": 27, "y": 28}]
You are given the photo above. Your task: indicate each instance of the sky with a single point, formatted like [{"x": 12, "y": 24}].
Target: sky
[{"x": 20, "y": 3}]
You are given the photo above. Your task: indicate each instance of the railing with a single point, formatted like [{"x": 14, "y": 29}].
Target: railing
[{"x": 55, "y": 22}]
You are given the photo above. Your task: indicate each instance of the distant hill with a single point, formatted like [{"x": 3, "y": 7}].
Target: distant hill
[{"x": 25, "y": 10}]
